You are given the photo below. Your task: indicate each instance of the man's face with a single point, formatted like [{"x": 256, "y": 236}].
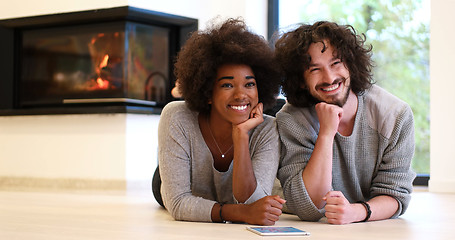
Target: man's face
[{"x": 327, "y": 79}]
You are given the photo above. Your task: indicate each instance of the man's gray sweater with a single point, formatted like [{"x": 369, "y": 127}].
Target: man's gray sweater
[{"x": 375, "y": 160}]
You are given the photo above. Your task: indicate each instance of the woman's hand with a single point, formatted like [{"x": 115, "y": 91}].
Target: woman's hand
[
  {"x": 265, "y": 211},
  {"x": 255, "y": 119}
]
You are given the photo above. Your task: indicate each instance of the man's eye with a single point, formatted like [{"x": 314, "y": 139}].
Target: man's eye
[{"x": 314, "y": 69}]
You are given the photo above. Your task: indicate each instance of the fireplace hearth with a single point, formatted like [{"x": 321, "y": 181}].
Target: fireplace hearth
[{"x": 99, "y": 61}]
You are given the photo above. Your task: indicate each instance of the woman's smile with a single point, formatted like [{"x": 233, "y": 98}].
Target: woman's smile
[{"x": 239, "y": 107}]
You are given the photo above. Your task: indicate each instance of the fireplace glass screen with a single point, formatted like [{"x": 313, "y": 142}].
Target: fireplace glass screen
[{"x": 106, "y": 62}]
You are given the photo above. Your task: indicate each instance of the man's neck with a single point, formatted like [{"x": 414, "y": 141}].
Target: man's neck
[{"x": 349, "y": 112}]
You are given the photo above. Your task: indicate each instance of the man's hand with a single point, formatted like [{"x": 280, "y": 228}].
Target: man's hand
[
  {"x": 338, "y": 210},
  {"x": 329, "y": 116}
]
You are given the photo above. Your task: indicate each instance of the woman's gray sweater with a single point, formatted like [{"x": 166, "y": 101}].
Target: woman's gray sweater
[{"x": 190, "y": 183}]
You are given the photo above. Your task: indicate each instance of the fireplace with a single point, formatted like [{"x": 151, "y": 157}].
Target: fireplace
[{"x": 107, "y": 60}]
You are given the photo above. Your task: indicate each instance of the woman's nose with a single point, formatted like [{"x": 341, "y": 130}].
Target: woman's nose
[{"x": 240, "y": 93}]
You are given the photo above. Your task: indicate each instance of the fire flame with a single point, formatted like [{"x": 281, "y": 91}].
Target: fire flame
[
  {"x": 104, "y": 62},
  {"x": 103, "y": 48},
  {"x": 102, "y": 84}
]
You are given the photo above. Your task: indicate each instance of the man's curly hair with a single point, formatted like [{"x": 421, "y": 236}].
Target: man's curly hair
[
  {"x": 291, "y": 52},
  {"x": 229, "y": 43}
]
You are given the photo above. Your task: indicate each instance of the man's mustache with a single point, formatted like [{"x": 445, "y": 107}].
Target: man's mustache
[{"x": 336, "y": 81}]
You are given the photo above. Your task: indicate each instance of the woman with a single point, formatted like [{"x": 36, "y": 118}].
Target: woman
[{"x": 218, "y": 153}]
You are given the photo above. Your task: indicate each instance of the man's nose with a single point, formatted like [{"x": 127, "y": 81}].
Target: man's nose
[{"x": 328, "y": 76}]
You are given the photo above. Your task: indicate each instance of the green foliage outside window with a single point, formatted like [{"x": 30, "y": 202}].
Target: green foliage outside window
[{"x": 399, "y": 31}]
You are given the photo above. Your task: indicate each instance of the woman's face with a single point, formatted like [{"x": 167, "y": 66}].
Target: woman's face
[{"x": 234, "y": 94}]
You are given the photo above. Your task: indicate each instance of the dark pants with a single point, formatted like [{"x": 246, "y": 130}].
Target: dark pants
[{"x": 156, "y": 186}]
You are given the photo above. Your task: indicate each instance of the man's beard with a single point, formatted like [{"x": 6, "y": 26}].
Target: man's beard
[{"x": 338, "y": 102}]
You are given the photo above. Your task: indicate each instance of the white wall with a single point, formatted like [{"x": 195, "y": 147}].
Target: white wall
[
  {"x": 253, "y": 11},
  {"x": 97, "y": 150},
  {"x": 141, "y": 149},
  {"x": 78, "y": 151},
  {"x": 64, "y": 146},
  {"x": 442, "y": 108},
  {"x": 25, "y": 8}
]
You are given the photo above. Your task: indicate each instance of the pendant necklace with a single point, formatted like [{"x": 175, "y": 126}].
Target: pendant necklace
[{"x": 219, "y": 149}]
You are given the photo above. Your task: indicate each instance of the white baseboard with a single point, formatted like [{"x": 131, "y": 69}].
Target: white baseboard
[
  {"x": 61, "y": 183},
  {"x": 444, "y": 186}
]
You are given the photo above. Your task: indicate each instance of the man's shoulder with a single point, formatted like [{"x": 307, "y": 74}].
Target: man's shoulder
[
  {"x": 383, "y": 101},
  {"x": 383, "y": 110},
  {"x": 268, "y": 123},
  {"x": 289, "y": 110},
  {"x": 293, "y": 117}
]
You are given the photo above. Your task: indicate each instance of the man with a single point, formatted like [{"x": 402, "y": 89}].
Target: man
[{"x": 347, "y": 144}]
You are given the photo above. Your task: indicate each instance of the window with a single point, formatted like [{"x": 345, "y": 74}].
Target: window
[{"x": 399, "y": 31}]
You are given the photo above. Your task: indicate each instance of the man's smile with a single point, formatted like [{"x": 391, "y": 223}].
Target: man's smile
[{"x": 331, "y": 87}]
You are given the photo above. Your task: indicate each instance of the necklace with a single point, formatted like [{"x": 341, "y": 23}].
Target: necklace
[{"x": 219, "y": 149}]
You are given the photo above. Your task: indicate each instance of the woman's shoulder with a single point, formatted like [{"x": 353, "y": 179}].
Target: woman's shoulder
[
  {"x": 177, "y": 113},
  {"x": 267, "y": 127},
  {"x": 176, "y": 108},
  {"x": 176, "y": 117}
]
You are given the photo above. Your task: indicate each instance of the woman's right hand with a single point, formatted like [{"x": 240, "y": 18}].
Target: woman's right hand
[
  {"x": 265, "y": 211},
  {"x": 256, "y": 117}
]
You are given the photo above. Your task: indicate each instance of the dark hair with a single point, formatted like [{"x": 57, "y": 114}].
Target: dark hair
[
  {"x": 229, "y": 43},
  {"x": 291, "y": 52}
]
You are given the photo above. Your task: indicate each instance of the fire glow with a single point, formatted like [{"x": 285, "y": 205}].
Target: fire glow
[{"x": 102, "y": 84}]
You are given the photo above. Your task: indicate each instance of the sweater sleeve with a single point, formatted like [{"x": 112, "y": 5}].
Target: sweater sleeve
[
  {"x": 174, "y": 151},
  {"x": 395, "y": 176},
  {"x": 265, "y": 154},
  {"x": 297, "y": 144}
]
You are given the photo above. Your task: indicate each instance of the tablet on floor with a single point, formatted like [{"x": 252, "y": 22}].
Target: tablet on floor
[{"x": 278, "y": 231}]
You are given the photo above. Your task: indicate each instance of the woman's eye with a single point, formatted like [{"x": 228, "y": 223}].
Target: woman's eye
[
  {"x": 226, "y": 85},
  {"x": 250, "y": 84},
  {"x": 314, "y": 69}
]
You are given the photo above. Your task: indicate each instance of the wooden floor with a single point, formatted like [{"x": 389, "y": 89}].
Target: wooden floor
[{"x": 135, "y": 215}]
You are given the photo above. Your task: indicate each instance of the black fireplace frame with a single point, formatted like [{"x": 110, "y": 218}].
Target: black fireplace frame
[{"x": 10, "y": 42}]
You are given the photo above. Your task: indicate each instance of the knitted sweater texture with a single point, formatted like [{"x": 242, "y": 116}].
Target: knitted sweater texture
[
  {"x": 190, "y": 183},
  {"x": 374, "y": 160}
]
